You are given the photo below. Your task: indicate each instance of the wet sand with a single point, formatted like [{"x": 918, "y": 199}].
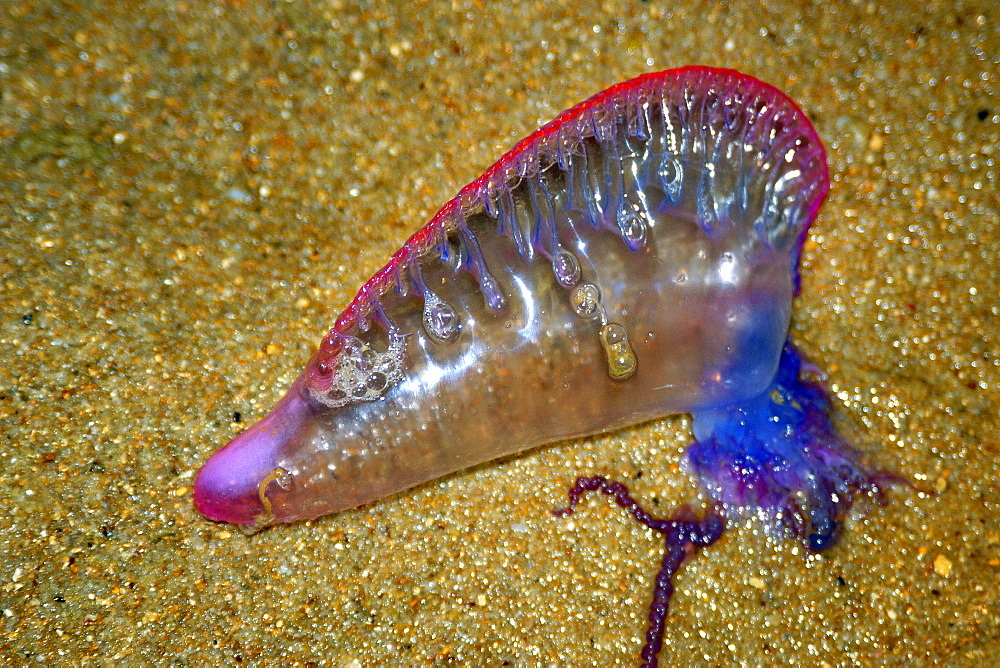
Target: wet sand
[{"x": 189, "y": 195}]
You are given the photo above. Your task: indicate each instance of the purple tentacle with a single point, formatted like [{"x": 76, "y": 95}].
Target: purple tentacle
[{"x": 682, "y": 534}]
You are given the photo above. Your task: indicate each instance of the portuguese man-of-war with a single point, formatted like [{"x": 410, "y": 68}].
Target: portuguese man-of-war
[{"x": 635, "y": 257}]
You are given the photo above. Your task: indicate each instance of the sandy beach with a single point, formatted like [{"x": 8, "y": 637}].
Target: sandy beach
[{"x": 190, "y": 193}]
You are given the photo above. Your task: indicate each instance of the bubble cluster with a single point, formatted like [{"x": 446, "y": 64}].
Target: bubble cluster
[{"x": 358, "y": 372}]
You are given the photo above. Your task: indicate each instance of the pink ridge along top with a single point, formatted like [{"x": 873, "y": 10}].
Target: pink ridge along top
[{"x": 537, "y": 151}]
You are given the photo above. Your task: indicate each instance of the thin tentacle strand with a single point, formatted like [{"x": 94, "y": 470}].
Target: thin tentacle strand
[{"x": 683, "y": 534}]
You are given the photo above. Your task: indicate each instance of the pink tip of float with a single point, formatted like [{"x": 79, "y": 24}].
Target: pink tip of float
[
  {"x": 231, "y": 486},
  {"x": 220, "y": 489}
]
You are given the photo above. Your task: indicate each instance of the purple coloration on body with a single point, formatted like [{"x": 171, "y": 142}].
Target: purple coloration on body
[
  {"x": 635, "y": 257},
  {"x": 779, "y": 454}
]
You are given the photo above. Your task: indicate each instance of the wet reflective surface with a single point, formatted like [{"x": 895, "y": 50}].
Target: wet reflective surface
[{"x": 680, "y": 300}]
